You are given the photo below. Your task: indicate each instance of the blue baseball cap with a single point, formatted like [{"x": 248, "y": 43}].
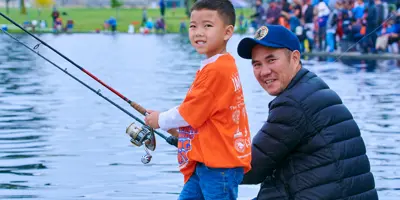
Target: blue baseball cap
[{"x": 275, "y": 36}]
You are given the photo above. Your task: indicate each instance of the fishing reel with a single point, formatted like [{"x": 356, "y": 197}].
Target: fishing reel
[{"x": 142, "y": 136}]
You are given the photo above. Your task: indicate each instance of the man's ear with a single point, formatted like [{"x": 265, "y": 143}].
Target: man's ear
[
  {"x": 228, "y": 32},
  {"x": 296, "y": 57}
]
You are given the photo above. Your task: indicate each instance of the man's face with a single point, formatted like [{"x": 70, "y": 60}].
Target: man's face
[{"x": 274, "y": 68}]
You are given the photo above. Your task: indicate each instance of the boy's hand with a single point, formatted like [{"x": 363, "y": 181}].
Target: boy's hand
[
  {"x": 173, "y": 132},
  {"x": 152, "y": 119}
]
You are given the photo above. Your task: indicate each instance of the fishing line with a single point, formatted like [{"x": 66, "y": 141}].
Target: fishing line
[
  {"x": 140, "y": 135},
  {"x": 387, "y": 19}
]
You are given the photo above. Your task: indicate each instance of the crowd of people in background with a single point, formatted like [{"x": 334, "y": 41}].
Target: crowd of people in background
[
  {"x": 335, "y": 25},
  {"x": 57, "y": 25},
  {"x": 367, "y": 26}
]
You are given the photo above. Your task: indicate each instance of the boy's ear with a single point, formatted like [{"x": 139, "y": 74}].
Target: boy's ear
[{"x": 228, "y": 32}]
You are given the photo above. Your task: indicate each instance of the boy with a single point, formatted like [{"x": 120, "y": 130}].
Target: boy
[{"x": 214, "y": 140}]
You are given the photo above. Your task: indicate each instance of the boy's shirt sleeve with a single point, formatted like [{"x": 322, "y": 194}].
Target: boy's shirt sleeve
[
  {"x": 171, "y": 119},
  {"x": 201, "y": 100}
]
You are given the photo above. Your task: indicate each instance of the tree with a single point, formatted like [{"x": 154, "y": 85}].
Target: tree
[
  {"x": 116, "y": 4},
  {"x": 188, "y": 5},
  {"x": 7, "y": 6},
  {"x": 22, "y": 6}
]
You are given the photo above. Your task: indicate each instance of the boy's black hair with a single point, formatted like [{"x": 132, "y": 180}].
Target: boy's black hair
[{"x": 224, "y": 8}]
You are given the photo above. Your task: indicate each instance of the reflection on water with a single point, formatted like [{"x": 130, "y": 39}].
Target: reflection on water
[
  {"x": 23, "y": 121},
  {"x": 58, "y": 140}
]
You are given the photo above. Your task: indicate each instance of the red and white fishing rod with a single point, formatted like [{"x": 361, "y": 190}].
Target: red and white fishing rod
[{"x": 140, "y": 135}]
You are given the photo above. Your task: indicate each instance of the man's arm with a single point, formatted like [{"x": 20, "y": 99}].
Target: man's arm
[{"x": 281, "y": 133}]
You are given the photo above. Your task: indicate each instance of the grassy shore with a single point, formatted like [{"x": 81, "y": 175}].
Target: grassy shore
[{"x": 90, "y": 19}]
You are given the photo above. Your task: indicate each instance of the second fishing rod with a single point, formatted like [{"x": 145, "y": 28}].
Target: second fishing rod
[{"x": 140, "y": 135}]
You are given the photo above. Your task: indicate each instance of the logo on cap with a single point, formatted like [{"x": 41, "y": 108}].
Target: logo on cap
[{"x": 261, "y": 33}]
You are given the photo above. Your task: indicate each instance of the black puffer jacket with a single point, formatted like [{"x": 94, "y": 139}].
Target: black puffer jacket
[{"x": 310, "y": 147}]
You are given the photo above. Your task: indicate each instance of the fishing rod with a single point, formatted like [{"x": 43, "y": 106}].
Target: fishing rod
[{"x": 139, "y": 135}]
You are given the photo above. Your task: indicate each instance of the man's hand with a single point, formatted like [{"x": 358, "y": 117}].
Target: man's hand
[{"x": 152, "y": 119}]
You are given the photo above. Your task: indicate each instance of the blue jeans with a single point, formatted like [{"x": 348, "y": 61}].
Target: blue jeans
[{"x": 212, "y": 183}]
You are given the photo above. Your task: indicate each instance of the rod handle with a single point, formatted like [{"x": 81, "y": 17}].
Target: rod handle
[
  {"x": 138, "y": 107},
  {"x": 172, "y": 141}
]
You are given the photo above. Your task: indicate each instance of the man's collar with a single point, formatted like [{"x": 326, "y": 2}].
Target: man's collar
[
  {"x": 299, "y": 75},
  {"x": 303, "y": 71}
]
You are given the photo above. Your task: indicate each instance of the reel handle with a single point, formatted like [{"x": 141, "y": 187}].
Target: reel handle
[
  {"x": 171, "y": 139},
  {"x": 138, "y": 107},
  {"x": 146, "y": 158}
]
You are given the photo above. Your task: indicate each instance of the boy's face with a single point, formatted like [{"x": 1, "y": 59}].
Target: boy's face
[{"x": 208, "y": 32}]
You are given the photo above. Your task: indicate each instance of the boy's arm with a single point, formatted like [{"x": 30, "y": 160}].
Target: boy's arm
[
  {"x": 196, "y": 109},
  {"x": 171, "y": 119},
  {"x": 201, "y": 101},
  {"x": 198, "y": 104}
]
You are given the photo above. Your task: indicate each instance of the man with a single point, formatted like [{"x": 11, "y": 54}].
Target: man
[
  {"x": 162, "y": 7},
  {"x": 308, "y": 19},
  {"x": 259, "y": 15},
  {"x": 55, "y": 15},
  {"x": 332, "y": 25},
  {"x": 372, "y": 19},
  {"x": 310, "y": 147},
  {"x": 273, "y": 13},
  {"x": 323, "y": 12}
]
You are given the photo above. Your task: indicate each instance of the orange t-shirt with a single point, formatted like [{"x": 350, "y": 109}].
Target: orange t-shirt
[{"x": 219, "y": 134}]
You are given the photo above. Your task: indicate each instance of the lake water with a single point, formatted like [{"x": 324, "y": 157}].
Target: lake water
[{"x": 59, "y": 140}]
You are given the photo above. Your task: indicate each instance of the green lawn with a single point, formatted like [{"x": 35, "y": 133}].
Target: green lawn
[{"x": 90, "y": 19}]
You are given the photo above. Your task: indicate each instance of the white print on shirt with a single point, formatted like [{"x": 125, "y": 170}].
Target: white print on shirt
[
  {"x": 239, "y": 103},
  {"x": 236, "y": 82},
  {"x": 244, "y": 156},
  {"x": 186, "y": 135},
  {"x": 240, "y": 100},
  {"x": 236, "y": 116},
  {"x": 241, "y": 144},
  {"x": 236, "y": 109},
  {"x": 244, "y": 111},
  {"x": 238, "y": 134}
]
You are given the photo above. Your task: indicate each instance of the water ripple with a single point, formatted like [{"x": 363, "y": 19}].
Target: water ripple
[{"x": 58, "y": 139}]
